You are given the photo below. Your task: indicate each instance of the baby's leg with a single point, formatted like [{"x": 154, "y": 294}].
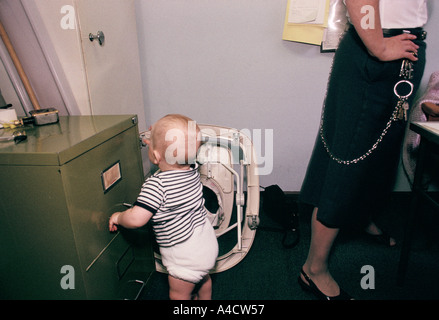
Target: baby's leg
[
  {"x": 180, "y": 289},
  {"x": 205, "y": 291}
]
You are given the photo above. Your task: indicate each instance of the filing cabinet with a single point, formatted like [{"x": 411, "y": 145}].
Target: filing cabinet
[{"x": 58, "y": 189}]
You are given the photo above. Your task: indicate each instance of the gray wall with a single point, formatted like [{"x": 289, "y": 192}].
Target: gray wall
[{"x": 224, "y": 62}]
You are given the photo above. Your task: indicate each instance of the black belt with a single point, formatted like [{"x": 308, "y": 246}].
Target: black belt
[{"x": 420, "y": 33}]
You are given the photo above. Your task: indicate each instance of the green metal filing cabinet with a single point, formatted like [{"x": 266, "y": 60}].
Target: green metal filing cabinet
[{"x": 58, "y": 189}]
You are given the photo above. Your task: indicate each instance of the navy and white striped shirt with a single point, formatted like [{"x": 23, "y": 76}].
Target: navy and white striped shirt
[{"x": 175, "y": 198}]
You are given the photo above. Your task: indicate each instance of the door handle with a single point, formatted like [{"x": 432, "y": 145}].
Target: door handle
[{"x": 99, "y": 36}]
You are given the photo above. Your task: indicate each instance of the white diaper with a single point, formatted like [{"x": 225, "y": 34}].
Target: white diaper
[{"x": 192, "y": 259}]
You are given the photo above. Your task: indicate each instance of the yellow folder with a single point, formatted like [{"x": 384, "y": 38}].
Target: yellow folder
[{"x": 310, "y": 31}]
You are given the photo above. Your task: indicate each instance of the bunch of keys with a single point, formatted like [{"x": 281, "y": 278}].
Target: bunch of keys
[
  {"x": 406, "y": 71},
  {"x": 402, "y": 106}
]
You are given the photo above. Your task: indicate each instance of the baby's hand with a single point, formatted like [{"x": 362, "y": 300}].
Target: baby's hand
[
  {"x": 112, "y": 224},
  {"x": 146, "y": 137}
]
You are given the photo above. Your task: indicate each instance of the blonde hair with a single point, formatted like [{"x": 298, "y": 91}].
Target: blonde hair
[{"x": 177, "y": 138}]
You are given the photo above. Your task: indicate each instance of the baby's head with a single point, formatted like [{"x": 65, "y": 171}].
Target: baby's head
[{"x": 175, "y": 140}]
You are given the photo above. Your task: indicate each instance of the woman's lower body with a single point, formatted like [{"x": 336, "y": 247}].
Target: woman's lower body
[{"x": 359, "y": 103}]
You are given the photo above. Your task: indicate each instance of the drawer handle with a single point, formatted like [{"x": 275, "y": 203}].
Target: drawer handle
[
  {"x": 120, "y": 272},
  {"x": 100, "y": 253}
]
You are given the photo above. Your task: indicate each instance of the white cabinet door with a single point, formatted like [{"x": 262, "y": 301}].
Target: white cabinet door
[{"x": 113, "y": 68}]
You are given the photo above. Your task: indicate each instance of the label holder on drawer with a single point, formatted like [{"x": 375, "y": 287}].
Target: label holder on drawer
[{"x": 111, "y": 176}]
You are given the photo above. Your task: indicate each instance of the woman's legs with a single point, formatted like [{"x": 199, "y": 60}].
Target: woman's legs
[
  {"x": 316, "y": 264},
  {"x": 373, "y": 230}
]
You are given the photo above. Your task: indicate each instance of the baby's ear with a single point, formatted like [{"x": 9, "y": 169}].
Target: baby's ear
[{"x": 157, "y": 156}]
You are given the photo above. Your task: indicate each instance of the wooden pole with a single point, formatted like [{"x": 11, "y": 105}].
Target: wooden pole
[{"x": 19, "y": 67}]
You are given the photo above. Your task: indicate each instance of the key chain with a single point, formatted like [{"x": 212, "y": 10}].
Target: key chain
[
  {"x": 402, "y": 106},
  {"x": 399, "y": 113}
]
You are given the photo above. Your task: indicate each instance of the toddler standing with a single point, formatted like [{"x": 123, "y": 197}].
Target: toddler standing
[{"x": 173, "y": 199}]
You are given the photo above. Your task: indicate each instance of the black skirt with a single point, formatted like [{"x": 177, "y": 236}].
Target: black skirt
[{"x": 359, "y": 102}]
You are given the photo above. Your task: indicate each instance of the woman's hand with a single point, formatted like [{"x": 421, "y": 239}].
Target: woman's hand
[
  {"x": 430, "y": 108},
  {"x": 398, "y": 47},
  {"x": 384, "y": 49}
]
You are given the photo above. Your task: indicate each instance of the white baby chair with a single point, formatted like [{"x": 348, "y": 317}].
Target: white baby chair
[{"x": 227, "y": 164}]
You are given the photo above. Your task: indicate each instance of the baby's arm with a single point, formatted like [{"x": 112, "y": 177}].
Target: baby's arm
[{"x": 132, "y": 218}]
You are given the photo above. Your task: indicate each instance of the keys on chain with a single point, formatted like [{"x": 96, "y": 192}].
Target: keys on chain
[
  {"x": 402, "y": 106},
  {"x": 406, "y": 71}
]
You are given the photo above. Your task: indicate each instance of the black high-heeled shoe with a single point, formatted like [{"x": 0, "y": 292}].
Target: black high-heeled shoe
[
  {"x": 381, "y": 238},
  {"x": 311, "y": 287}
]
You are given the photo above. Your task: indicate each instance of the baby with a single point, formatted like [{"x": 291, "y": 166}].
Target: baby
[{"x": 173, "y": 199}]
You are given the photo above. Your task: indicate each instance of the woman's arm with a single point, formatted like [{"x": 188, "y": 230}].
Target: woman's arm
[{"x": 384, "y": 49}]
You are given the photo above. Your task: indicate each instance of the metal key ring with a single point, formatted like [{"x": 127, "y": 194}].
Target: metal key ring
[{"x": 396, "y": 91}]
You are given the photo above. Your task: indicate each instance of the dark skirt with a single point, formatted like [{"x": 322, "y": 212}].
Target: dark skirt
[{"x": 359, "y": 103}]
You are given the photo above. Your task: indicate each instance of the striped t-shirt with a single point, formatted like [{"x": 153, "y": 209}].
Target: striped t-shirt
[{"x": 175, "y": 198}]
